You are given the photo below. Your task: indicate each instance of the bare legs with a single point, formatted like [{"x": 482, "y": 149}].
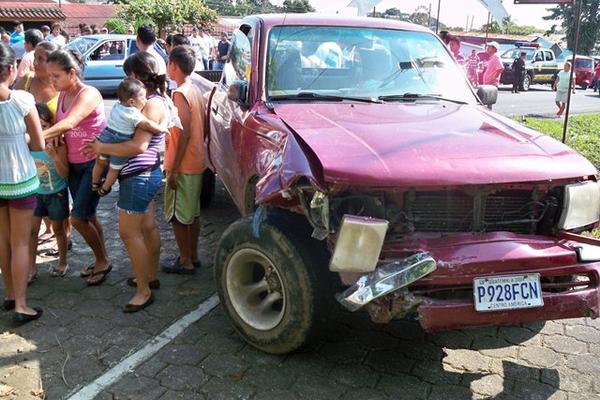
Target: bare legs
[
  {"x": 140, "y": 234},
  {"x": 15, "y": 255},
  {"x": 561, "y": 108},
  {"x": 186, "y": 237},
  {"x": 93, "y": 235}
]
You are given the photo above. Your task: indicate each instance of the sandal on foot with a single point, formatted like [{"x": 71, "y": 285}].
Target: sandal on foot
[
  {"x": 102, "y": 274},
  {"x": 59, "y": 273},
  {"x": 131, "y": 308},
  {"x": 87, "y": 271},
  {"x": 21, "y": 318},
  {"x": 178, "y": 269},
  {"x": 155, "y": 284}
]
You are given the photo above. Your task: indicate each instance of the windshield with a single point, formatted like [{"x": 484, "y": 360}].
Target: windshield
[
  {"x": 516, "y": 53},
  {"x": 361, "y": 62},
  {"x": 584, "y": 63},
  {"x": 81, "y": 44}
]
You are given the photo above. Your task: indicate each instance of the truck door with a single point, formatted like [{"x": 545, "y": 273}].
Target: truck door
[
  {"x": 550, "y": 66},
  {"x": 227, "y": 116},
  {"x": 538, "y": 65}
]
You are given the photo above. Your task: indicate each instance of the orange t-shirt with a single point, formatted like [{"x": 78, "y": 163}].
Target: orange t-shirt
[{"x": 193, "y": 158}]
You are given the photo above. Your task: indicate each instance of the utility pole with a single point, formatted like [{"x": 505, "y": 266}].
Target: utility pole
[
  {"x": 575, "y": 46},
  {"x": 437, "y": 22},
  {"x": 487, "y": 27}
]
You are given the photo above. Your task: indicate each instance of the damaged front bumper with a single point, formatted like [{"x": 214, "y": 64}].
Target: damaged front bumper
[
  {"x": 386, "y": 279},
  {"x": 569, "y": 269}
]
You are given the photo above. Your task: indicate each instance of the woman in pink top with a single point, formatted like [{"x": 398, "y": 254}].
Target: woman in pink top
[{"x": 80, "y": 116}]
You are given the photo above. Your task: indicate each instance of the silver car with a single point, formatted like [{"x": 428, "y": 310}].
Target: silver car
[{"x": 103, "y": 56}]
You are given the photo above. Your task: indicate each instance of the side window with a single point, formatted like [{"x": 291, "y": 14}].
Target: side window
[
  {"x": 549, "y": 56},
  {"x": 539, "y": 56},
  {"x": 240, "y": 56},
  {"x": 109, "y": 50}
]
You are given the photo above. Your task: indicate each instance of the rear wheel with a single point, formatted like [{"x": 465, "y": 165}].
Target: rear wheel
[
  {"x": 526, "y": 83},
  {"x": 584, "y": 86},
  {"x": 273, "y": 280}
]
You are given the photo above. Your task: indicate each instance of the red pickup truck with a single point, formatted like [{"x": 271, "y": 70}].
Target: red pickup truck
[{"x": 367, "y": 170}]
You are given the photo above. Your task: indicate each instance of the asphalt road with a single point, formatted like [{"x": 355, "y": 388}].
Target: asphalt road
[{"x": 538, "y": 101}]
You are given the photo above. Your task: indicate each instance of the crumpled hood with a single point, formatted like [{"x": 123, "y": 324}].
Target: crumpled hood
[{"x": 427, "y": 144}]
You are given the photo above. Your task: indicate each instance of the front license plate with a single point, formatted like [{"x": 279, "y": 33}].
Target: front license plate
[{"x": 507, "y": 292}]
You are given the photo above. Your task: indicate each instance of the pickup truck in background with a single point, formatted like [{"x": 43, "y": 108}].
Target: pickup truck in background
[
  {"x": 367, "y": 170},
  {"x": 541, "y": 65}
]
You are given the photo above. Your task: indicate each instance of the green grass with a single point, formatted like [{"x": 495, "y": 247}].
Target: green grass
[{"x": 583, "y": 134}]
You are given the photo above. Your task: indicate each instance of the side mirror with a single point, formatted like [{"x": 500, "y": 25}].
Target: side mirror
[
  {"x": 488, "y": 94},
  {"x": 238, "y": 92}
]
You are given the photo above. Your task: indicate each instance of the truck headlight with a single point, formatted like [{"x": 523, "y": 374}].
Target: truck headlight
[
  {"x": 581, "y": 205},
  {"x": 359, "y": 244}
]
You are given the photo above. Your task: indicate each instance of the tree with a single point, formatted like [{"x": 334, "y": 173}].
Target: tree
[
  {"x": 508, "y": 25},
  {"x": 297, "y": 6},
  {"x": 166, "y": 13},
  {"x": 589, "y": 26}
]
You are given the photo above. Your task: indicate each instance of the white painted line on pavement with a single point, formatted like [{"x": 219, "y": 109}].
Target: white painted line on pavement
[{"x": 90, "y": 391}]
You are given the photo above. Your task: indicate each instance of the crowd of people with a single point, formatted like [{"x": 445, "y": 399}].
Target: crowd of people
[{"x": 61, "y": 154}]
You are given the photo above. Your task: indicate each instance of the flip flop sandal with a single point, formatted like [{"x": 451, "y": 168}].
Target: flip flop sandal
[
  {"x": 51, "y": 252},
  {"x": 87, "y": 271},
  {"x": 42, "y": 240},
  {"x": 102, "y": 274},
  {"x": 131, "y": 308},
  {"x": 59, "y": 273}
]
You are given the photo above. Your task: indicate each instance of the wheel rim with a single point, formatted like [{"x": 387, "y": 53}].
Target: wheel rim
[
  {"x": 526, "y": 83},
  {"x": 255, "y": 289}
]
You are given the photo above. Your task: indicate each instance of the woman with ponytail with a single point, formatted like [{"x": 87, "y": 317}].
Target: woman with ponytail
[
  {"x": 140, "y": 180},
  {"x": 79, "y": 116}
]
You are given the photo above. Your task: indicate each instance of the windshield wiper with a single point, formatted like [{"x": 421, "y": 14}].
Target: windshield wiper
[
  {"x": 418, "y": 96},
  {"x": 319, "y": 96}
]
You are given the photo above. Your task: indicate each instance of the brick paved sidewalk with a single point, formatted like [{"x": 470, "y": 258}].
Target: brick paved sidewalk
[{"x": 84, "y": 333}]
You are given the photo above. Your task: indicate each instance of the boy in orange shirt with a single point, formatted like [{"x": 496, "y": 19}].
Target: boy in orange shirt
[{"x": 184, "y": 162}]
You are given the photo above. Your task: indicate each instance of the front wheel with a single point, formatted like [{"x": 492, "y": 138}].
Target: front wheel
[
  {"x": 584, "y": 86},
  {"x": 272, "y": 280}
]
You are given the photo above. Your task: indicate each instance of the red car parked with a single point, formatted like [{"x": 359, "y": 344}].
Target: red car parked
[{"x": 367, "y": 169}]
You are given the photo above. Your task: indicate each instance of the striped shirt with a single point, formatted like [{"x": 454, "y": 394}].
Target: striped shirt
[{"x": 150, "y": 157}]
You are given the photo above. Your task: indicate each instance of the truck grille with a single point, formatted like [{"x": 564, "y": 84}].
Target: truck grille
[{"x": 455, "y": 211}]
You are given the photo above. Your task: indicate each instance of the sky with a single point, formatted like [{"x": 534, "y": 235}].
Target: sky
[{"x": 452, "y": 12}]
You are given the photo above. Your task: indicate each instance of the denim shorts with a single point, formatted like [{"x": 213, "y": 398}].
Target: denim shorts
[
  {"x": 110, "y": 136},
  {"x": 136, "y": 192},
  {"x": 54, "y": 206},
  {"x": 85, "y": 201}
]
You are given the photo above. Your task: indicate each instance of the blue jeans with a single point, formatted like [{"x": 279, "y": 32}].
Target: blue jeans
[
  {"x": 85, "y": 201},
  {"x": 110, "y": 136},
  {"x": 218, "y": 65},
  {"x": 136, "y": 192}
]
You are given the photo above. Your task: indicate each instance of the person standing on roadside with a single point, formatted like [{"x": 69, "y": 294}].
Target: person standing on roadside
[
  {"x": 146, "y": 37},
  {"x": 494, "y": 68},
  {"x": 222, "y": 50},
  {"x": 18, "y": 186},
  {"x": 79, "y": 117},
  {"x": 562, "y": 85},
  {"x": 32, "y": 38},
  {"x": 455, "y": 50},
  {"x": 56, "y": 36},
  {"x": 518, "y": 72},
  {"x": 140, "y": 181},
  {"x": 473, "y": 68},
  {"x": 17, "y": 36},
  {"x": 184, "y": 162}
]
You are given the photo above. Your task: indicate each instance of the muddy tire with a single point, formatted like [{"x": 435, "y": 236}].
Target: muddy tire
[
  {"x": 208, "y": 188},
  {"x": 584, "y": 86},
  {"x": 273, "y": 280}
]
